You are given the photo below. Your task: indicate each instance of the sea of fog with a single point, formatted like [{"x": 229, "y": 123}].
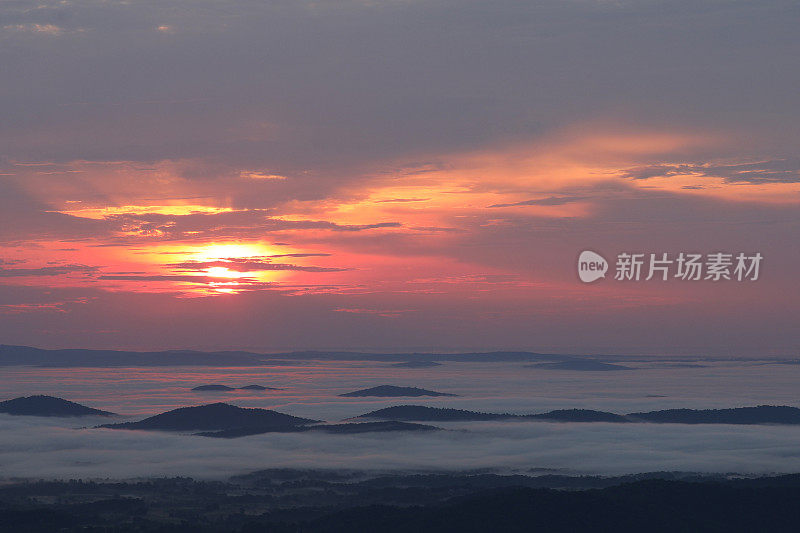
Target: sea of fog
[{"x": 35, "y": 447}]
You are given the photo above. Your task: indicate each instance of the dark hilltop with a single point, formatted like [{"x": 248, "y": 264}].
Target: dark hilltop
[
  {"x": 222, "y": 420},
  {"x": 48, "y": 406},
  {"x": 224, "y": 388},
  {"x": 440, "y": 414},
  {"x": 762, "y": 414},
  {"x": 394, "y": 391},
  {"x": 215, "y": 416},
  {"x": 341, "y": 429}
]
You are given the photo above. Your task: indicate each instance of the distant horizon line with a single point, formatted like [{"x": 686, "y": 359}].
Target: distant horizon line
[{"x": 699, "y": 354}]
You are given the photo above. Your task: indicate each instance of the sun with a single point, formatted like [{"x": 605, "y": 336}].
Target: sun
[
  {"x": 222, "y": 272},
  {"x": 216, "y": 267}
]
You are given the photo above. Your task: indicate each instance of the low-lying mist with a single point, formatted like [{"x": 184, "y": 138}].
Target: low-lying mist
[
  {"x": 57, "y": 448},
  {"x": 36, "y": 449}
]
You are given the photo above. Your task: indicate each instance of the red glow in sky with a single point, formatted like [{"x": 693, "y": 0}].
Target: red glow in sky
[{"x": 316, "y": 177}]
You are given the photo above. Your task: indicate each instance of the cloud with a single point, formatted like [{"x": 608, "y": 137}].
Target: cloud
[
  {"x": 402, "y": 200},
  {"x": 59, "y": 270},
  {"x": 456, "y": 76},
  {"x": 551, "y": 200},
  {"x": 171, "y": 277},
  {"x": 772, "y": 171},
  {"x": 226, "y": 225},
  {"x": 21, "y": 299},
  {"x": 299, "y": 254},
  {"x": 261, "y": 176},
  {"x": 248, "y": 265},
  {"x": 48, "y": 29}
]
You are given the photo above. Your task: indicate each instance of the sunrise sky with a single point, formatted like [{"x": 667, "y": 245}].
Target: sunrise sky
[{"x": 396, "y": 174}]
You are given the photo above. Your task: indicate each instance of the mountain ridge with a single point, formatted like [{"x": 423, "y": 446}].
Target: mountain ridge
[
  {"x": 16, "y": 355},
  {"x": 49, "y": 406},
  {"x": 762, "y": 414},
  {"x": 213, "y": 417},
  {"x": 394, "y": 391}
]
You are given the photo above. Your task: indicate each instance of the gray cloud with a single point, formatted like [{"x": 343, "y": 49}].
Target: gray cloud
[
  {"x": 402, "y": 200},
  {"x": 550, "y": 200},
  {"x": 230, "y": 225},
  {"x": 773, "y": 171},
  {"x": 22, "y": 219},
  {"x": 59, "y": 270},
  {"x": 314, "y": 90}
]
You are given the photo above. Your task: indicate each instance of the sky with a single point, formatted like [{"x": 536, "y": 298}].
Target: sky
[{"x": 396, "y": 175}]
